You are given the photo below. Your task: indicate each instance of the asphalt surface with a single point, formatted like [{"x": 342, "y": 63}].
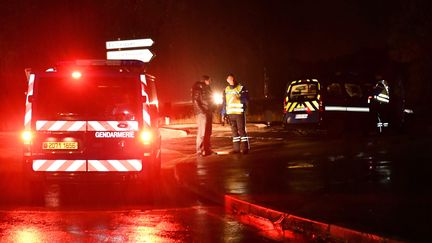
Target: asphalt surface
[
  {"x": 373, "y": 184},
  {"x": 78, "y": 211}
]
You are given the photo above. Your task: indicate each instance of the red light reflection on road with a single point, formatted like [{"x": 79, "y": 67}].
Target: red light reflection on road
[
  {"x": 187, "y": 224},
  {"x": 26, "y": 235}
]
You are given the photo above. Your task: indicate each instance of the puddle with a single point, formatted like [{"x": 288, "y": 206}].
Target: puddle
[{"x": 300, "y": 165}]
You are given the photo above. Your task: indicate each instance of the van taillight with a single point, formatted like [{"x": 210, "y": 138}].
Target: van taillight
[
  {"x": 27, "y": 137},
  {"x": 146, "y": 137},
  {"x": 76, "y": 74}
]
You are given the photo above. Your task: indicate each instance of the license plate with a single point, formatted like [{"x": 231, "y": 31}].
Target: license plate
[
  {"x": 301, "y": 116},
  {"x": 60, "y": 145}
]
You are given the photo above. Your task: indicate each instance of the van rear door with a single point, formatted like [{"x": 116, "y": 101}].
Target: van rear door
[
  {"x": 302, "y": 104},
  {"x": 90, "y": 117}
]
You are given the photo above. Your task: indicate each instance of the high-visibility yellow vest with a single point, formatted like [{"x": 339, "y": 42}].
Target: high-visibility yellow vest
[
  {"x": 384, "y": 95},
  {"x": 233, "y": 101}
]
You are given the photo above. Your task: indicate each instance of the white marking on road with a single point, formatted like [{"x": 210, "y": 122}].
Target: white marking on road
[{"x": 223, "y": 152}]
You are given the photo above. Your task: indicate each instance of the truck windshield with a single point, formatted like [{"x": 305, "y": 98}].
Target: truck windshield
[
  {"x": 303, "y": 91},
  {"x": 87, "y": 99}
]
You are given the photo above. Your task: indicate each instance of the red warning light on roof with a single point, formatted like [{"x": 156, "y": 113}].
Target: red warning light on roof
[{"x": 76, "y": 74}]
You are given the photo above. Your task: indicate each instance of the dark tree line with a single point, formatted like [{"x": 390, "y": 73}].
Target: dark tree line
[{"x": 289, "y": 39}]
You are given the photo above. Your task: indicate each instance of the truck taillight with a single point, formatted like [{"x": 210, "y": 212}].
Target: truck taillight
[
  {"x": 27, "y": 137},
  {"x": 146, "y": 137}
]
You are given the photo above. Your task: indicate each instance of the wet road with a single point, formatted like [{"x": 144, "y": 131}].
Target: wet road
[
  {"x": 374, "y": 184},
  {"x": 157, "y": 225},
  {"x": 76, "y": 211},
  {"x": 114, "y": 213}
]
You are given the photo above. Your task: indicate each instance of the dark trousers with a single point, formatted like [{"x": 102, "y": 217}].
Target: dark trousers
[
  {"x": 204, "y": 122},
  {"x": 238, "y": 130}
]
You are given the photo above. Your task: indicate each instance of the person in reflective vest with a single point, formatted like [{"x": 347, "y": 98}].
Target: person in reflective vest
[
  {"x": 234, "y": 106},
  {"x": 380, "y": 103}
]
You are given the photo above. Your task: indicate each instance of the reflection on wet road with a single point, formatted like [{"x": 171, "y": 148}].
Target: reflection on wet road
[
  {"x": 373, "y": 184},
  {"x": 113, "y": 212},
  {"x": 202, "y": 224},
  {"x": 126, "y": 211}
]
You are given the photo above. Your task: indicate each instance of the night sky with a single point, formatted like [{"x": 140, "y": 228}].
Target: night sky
[{"x": 290, "y": 39}]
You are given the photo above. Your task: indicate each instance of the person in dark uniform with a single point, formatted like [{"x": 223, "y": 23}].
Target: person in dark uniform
[{"x": 203, "y": 107}]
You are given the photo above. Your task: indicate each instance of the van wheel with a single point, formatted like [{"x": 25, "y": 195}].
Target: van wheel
[
  {"x": 34, "y": 184},
  {"x": 155, "y": 174},
  {"x": 36, "y": 190},
  {"x": 146, "y": 187}
]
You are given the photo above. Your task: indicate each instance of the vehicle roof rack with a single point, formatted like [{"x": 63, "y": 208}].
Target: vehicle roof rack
[{"x": 102, "y": 62}]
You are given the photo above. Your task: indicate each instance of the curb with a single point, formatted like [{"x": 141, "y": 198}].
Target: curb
[
  {"x": 188, "y": 127},
  {"x": 168, "y": 133},
  {"x": 185, "y": 129},
  {"x": 283, "y": 223},
  {"x": 286, "y": 222}
]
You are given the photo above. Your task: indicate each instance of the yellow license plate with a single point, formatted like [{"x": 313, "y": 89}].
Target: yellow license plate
[{"x": 60, "y": 145}]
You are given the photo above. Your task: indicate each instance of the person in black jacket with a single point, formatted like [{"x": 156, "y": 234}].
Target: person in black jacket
[{"x": 203, "y": 107}]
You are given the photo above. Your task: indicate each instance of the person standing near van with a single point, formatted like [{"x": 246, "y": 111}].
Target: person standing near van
[
  {"x": 234, "y": 106},
  {"x": 203, "y": 108}
]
